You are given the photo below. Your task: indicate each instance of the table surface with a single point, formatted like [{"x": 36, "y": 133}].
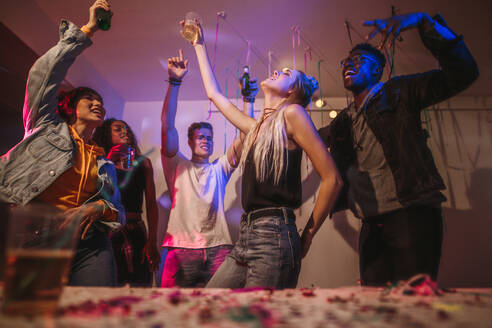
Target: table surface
[{"x": 338, "y": 307}]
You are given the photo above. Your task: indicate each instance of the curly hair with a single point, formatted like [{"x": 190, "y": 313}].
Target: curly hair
[
  {"x": 103, "y": 136},
  {"x": 67, "y": 102}
]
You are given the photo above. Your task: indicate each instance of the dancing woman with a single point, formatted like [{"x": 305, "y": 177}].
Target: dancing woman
[
  {"x": 269, "y": 250},
  {"x": 136, "y": 254},
  {"x": 57, "y": 163}
]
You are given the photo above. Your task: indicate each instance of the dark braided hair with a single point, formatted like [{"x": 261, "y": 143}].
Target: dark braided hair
[
  {"x": 67, "y": 102},
  {"x": 103, "y": 136}
]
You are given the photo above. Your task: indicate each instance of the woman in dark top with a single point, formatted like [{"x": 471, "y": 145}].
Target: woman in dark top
[
  {"x": 269, "y": 249},
  {"x": 136, "y": 255}
]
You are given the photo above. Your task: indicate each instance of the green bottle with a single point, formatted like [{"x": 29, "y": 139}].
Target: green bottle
[
  {"x": 245, "y": 91},
  {"x": 103, "y": 18}
]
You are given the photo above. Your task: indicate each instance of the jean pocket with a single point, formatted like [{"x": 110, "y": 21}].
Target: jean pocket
[{"x": 266, "y": 227}]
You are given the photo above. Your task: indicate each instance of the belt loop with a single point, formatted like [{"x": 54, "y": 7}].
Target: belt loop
[{"x": 284, "y": 213}]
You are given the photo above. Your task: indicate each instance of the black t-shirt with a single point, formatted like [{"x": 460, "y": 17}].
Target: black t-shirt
[
  {"x": 132, "y": 186},
  {"x": 287, "y": 193}
]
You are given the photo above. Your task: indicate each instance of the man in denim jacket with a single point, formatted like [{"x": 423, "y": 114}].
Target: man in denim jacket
[
  {"x": 391, "y": 180},
  {"x": 56, "y": 163}
]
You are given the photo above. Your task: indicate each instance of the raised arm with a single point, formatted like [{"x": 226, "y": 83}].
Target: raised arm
[
  {"x": 301, "y": 129},
  {"x": 50, "y": 69},
  {"x": 458, "y": 68},
  {"x": 177, "y": 69},
  {"x": 239, "y": 119}
]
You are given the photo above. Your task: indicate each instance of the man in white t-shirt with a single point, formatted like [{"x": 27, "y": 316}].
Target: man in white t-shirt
[{"x": 197, "y": 237}]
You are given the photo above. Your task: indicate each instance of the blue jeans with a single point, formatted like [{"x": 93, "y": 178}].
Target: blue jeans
[
  {"x": 189, "y": 267},
  {"x": 128, "y": 245},
  {"x": 267, "y": 254},
  {"x": 93, "y": 263}
]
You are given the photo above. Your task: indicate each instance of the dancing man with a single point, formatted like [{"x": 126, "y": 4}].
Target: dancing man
[
  {"x": 197, "y": 237},
  {"x": 380, "y": 147}
]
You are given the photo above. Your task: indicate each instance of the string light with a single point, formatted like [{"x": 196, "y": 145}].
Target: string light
[{"x": 320, "y": 103}]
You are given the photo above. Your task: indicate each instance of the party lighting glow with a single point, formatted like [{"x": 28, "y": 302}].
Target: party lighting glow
[
  {"x": 333, "y": 114},
  {"x": 320, "y": 103}
]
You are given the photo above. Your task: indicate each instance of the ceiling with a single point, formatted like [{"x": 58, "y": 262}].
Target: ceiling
[{"x": 128, "y": 58}]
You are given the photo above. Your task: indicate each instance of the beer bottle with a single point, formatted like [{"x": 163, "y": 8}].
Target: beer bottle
[
  {"x": 103, "y": 18},
  {"x": 245, "y": 91}
]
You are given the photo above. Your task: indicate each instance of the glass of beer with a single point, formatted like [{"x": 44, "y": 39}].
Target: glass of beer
[
  {"x": 190, "y": 29},
  {"x": 40, "y": 248}
]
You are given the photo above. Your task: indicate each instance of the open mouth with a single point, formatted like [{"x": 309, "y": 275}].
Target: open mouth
[
  {"x": 207, "y": 148},
  {"x": 98, "y": 112},
  {"x": 349, "y": 72}
]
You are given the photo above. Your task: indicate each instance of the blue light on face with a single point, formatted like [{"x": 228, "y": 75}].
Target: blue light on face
[
  {"x": 357, "y": 60},
  {"x": 206, "y": 138}
]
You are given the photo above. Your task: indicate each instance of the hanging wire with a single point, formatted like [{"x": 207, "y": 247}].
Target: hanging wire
[
  {"x": 316, "y": 50},
  {"x": 225, "y": 120},
  {"x": 254, "y": 50},
  {"x": 347, "y": 26},
  {"x": 219, "y": 14}
]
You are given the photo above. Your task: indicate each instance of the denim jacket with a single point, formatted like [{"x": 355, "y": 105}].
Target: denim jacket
[
  {"x": 393, "y": 115},
  {"x": 47, "y": 149}
]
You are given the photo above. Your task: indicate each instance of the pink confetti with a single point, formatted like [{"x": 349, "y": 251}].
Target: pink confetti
[
  {"x": 307, "y": 292},
  {"x": 175, "y": 298},
  {"x": 252, "y": 289}
]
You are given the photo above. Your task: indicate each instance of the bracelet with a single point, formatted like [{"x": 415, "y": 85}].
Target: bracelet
[
  {"x": 87, "y": 31},
  {"x": 174, "y": 81},
  {"x": 249, "y": 99}
]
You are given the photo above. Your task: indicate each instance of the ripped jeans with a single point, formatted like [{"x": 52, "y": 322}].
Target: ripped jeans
[{"x": 267, "y": 254}]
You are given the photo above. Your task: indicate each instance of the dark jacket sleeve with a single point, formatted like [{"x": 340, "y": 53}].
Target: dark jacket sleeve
[
  {"x": 336, "y": 137},
  {"x": 457, "y": 70},
  {"x": 324, "y": 133}
]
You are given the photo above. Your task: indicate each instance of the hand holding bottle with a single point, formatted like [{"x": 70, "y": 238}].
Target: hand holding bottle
[
  {"x": 122, "y": 156},
  {"x": 92, "y": 24},
  {"x": 249, "y": 87}
]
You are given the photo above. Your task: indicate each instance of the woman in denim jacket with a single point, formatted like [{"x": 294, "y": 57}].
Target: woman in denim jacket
[{"x": 56, "y": 162}]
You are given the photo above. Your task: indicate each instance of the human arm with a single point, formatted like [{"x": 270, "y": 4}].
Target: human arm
[
  {"x": 50, "y": 69},
  {"x": 150, "y": 249},
  {"x": 457, "y": 68},
  {"x": 300, "y": 128},
  {"x": 239, "y": 119},
  {"x": 235, "y": 150},
  {"x": 177, "y": 69},
  {"x": 87, "y": 214}
]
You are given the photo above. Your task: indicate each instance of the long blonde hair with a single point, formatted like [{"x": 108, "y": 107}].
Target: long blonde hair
[{"x": 269, "y": 135}]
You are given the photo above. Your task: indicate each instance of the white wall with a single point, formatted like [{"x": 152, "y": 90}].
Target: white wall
[{"x": 461, "y": 141}]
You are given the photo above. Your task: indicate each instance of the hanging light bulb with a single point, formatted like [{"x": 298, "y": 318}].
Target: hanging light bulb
[
  {"x": 320, "y": 103},
  {"x": 333, "y": 114}
]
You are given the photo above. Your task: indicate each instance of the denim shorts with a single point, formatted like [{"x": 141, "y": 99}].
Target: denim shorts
[{"x": 267, "y": 253}]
